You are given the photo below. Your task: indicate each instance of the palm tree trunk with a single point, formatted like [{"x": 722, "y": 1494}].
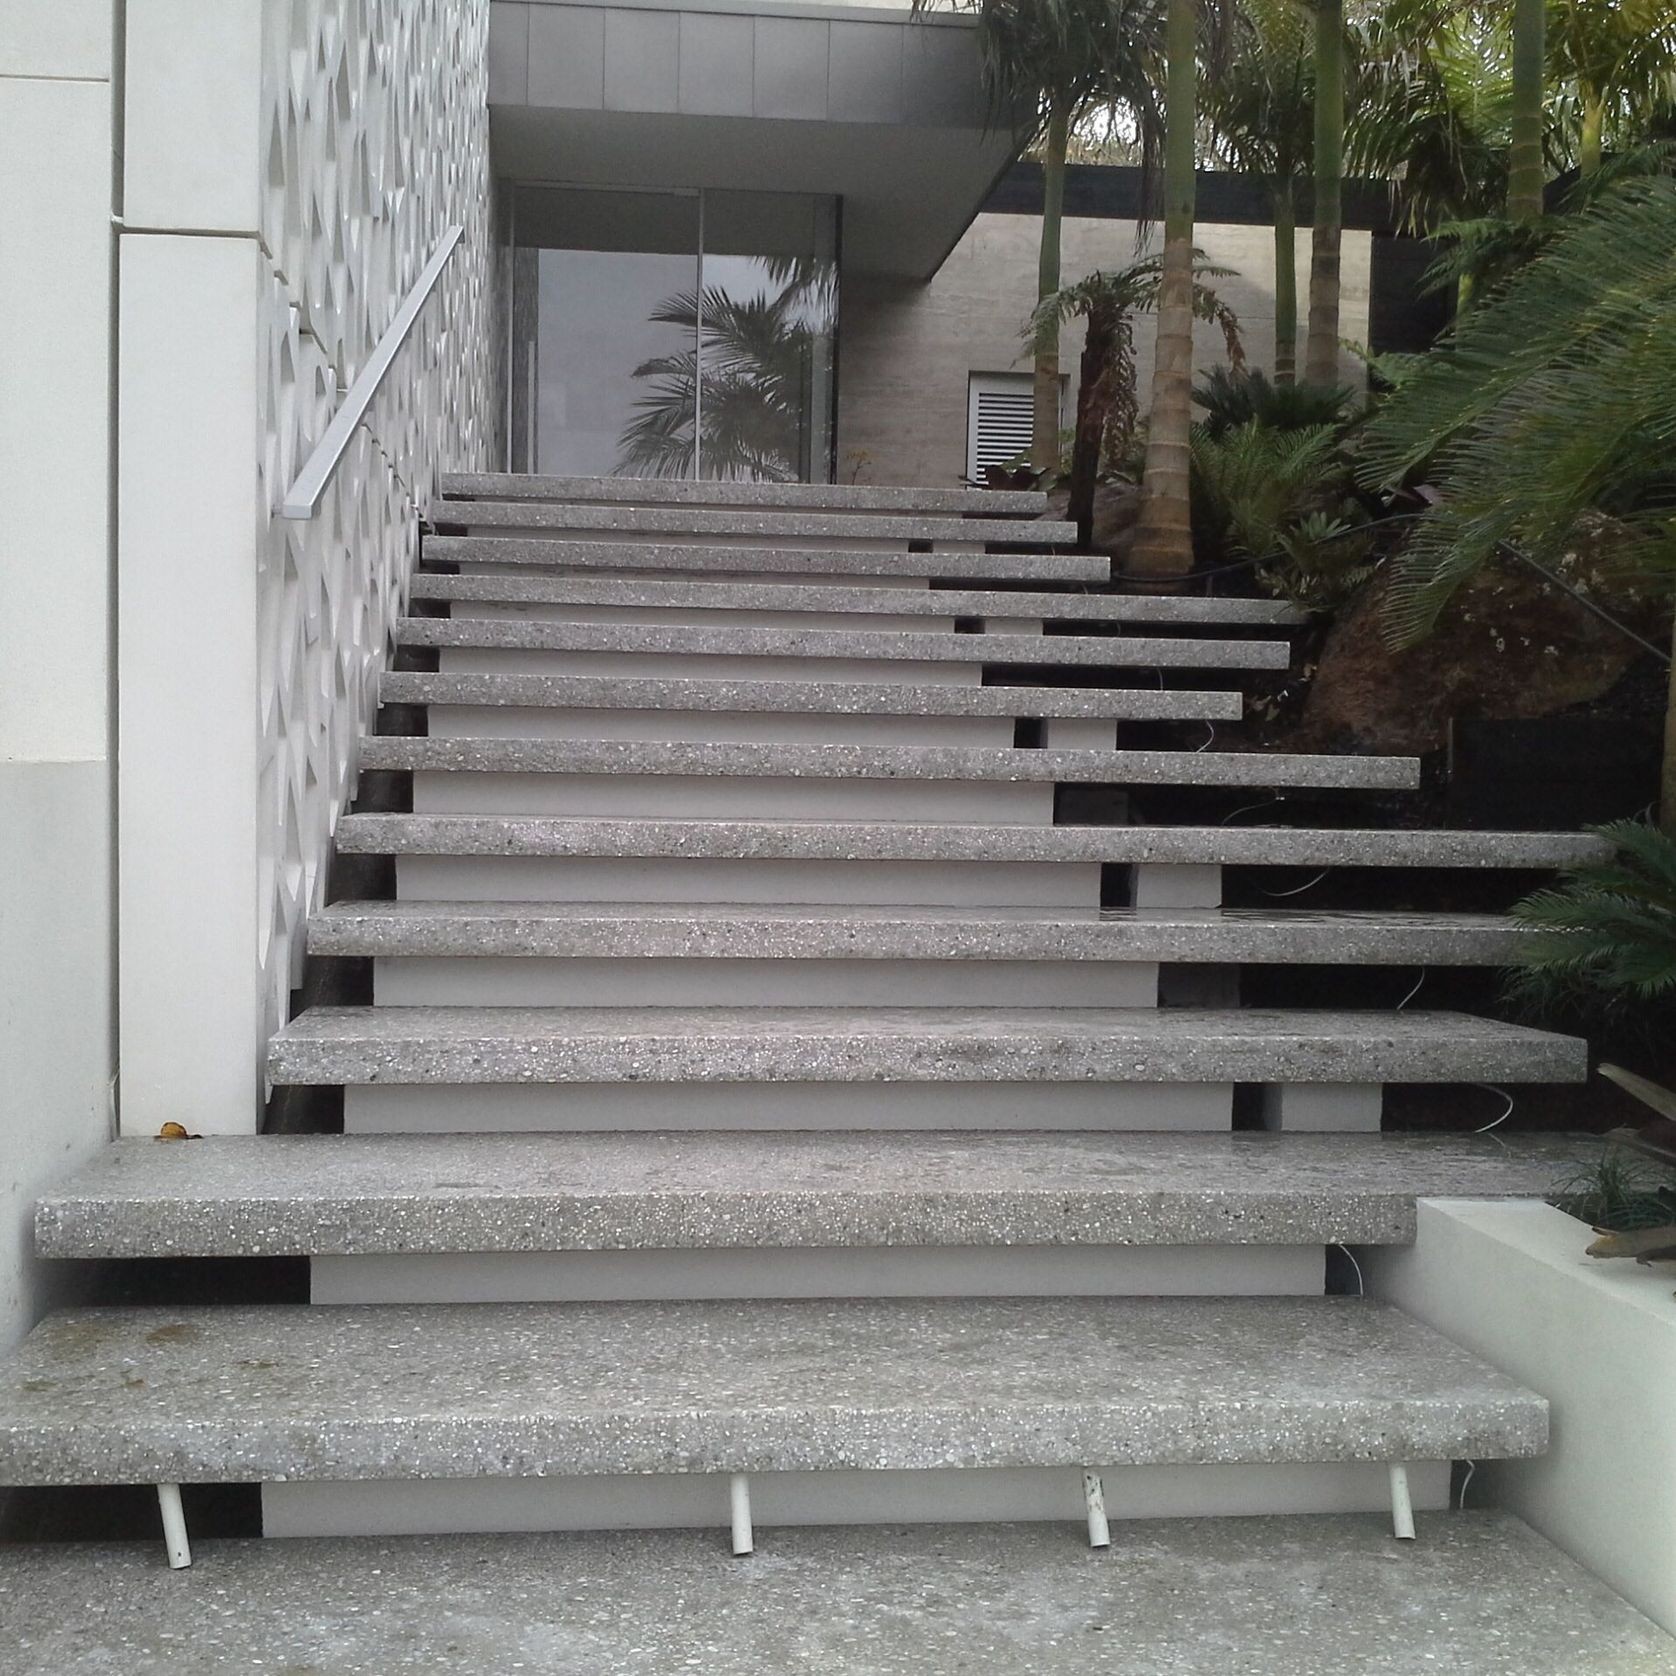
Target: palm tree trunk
[
  {"x": 1044, "y": 430},
  {"x": 1667, "y": 777},
  {"x": 1321, "y": 352},
  {"x": 1285, "y": 284},
  {"x": 1524, "y": 163},
  {"x": 1164, "y": 534},
  {"x": 1591, "y": 148}
]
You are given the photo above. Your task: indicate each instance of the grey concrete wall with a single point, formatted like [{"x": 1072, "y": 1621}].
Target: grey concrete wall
[
  {"x": 56, "y": 1047},
  {"x": 905, "y": 349}
]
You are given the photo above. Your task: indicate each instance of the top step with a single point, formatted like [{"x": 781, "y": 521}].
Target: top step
[
  {"x": 654, "y": 491},
  {"x": 752, "y": 523}
]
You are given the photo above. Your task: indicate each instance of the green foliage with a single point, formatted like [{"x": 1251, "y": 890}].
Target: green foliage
[
  {"x": 1546, "y": 402},
  {"x": 1619, "y": 1192},
  {"x": 1235, "y": 396},
  {"x": 1607, "y": 930},
  {"x": 1282, "y": 498}
]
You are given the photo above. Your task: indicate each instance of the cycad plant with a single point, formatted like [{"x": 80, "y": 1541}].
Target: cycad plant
[
  {"x": 1608, "y": 928},
  {"x": 1553, "y": 398}
]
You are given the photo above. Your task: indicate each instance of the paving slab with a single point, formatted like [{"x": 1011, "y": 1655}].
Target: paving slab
[
  {"x": 1479, "y": 1594},
  {"x": 727, "y": 931},
  {"x": 675, "y": 556},
  {"x": 663, "y": 491},
  {"x": 666, "y": 593},
  {"x": 353, "y": 1195},
  {"x": 238, "y": 1395},
  {"x": 891, "y": 762},
  {"x": 1110, "y": 651},
  {"x": 769, "y": 840},
  {"x": 756, "y": 522},
  {"x": 458, "y": 1045},
  {"x": 806, "y": 697}
]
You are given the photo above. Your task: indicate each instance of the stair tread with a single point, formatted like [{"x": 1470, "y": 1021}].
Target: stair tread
[
  {"x": 676, "y": 555},
  {"x": 890, "y": 762},
  {"x": 919, "y": 646},
  {"x": 911, "y": 1044},
  {"x": 249, "y": 1394},
  {"x": 663, "y": 491},
  {"x": 754, "y": 522},
  {"x": 1479, "y": 1594},
  {"x": 811, "y": 931},
  {"x": 685, "y": 594},
  {"x": 315, "y": 1195},
  {"x": 570, "y": 835},
  {"x": 810, "y": 697}
]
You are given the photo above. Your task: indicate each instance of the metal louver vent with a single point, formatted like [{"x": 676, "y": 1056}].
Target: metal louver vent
[{"x": 998, "y": 419}]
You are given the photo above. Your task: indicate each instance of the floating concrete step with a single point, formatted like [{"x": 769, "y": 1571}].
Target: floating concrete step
[
  {"x": 657, "y": 491},
  {"x": 233, "y": 1394},
  {"x": 678, "y": 640},
  {"x": 900, "y": 841},
  {"x": 718, "y": 559},
  {"x": 664, "y": 593},
  {"x": 346, "y": 1195},
  {"x": 896, "y": 763},
  {"x": 812, "y": 697},
  {"x": 529, "y": 1045},
  {"x": 755, "y": 524},
  {"x": 734, "y": 932},
  {"x": 1479, "y": 1594}
]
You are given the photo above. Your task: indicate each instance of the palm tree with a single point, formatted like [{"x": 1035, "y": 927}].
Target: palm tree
[
  {"x": 757, "y": 353},
  {"x": 1614, "y": 62},
  {"x": 1525, "y": 173},
  {"x": 1260, "y": 111},
  {"x": 1327, "y": 224},
  {"x": 1045, "y": 64},
  {"x": 1108, "y": 408}
]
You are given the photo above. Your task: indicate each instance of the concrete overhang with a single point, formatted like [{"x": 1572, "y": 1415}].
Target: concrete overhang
[{"x": 884, "y": 111}]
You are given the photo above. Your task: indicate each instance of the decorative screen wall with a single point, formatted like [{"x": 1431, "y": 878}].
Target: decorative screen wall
[{"x": 375, "y": 140}]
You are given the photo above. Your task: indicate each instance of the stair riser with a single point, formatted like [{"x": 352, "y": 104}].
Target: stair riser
[
  {"x": 490, "y": 878},
  {"x": 1207, "y": 1271},
  {"x": 574, "y": 1107},
  {"x": 536, "y": 982},
  {"x": 662, "y": 1501},
  {"x": 729, "y": 797},
  {"x": 466, "y": 721}
]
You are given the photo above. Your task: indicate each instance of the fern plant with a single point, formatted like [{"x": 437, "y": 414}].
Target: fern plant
[
  {"x": 1234, "y": 396},
  {"x": 1607, "y": 931}
]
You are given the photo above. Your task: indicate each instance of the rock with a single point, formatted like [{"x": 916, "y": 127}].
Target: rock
[
  {"x": 1117, "y": 508},
  {"x": 1508, "y": 646}
]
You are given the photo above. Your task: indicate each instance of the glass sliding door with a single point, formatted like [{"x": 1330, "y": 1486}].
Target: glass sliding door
[{"x": 672, "y": 334}]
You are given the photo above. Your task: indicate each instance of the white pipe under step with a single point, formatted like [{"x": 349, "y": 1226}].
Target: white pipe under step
[
  {"x": 739, "y": 1497},
  {"x": 1094, "y": 1496},
  {"x": 174, "y": 1527},
  {"x": 1402, "y": 1505}
]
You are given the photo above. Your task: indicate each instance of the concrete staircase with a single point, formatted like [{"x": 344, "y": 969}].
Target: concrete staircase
[{"x": 768, "y": 1115}]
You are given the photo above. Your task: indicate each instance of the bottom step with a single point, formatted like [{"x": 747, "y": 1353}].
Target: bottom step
[{"x": 1477, "y": 1595}]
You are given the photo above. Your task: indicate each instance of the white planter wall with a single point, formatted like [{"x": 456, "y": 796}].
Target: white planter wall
[
  {"x": 291, "y": 165},
  {"x": 1598, "y": 1339}
]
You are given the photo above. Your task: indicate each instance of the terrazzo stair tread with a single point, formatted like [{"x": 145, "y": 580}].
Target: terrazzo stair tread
[
  {"x": 816, "y": 932},
  {"x": 230, "y": 1394},
  {"x": 694, "y": 556},
  {"x": 1083, "y": 651},
  {"x": 754, "y": 523},
  {"x": 474, "y": 1045},
  {"x": 1162, "y": 610},
  {"x": 349, "y": 1195},
  {"x": 889, "y": 762},
  {"x": 659, "y": 491},
  {"x": 809, "y": 697},
  {"x": 1479, "y": 1594},
  {"x": 1255, "y": 846}
]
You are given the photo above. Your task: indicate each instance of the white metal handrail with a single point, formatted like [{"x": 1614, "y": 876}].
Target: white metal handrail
[{"x": 302, "y": 500}]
